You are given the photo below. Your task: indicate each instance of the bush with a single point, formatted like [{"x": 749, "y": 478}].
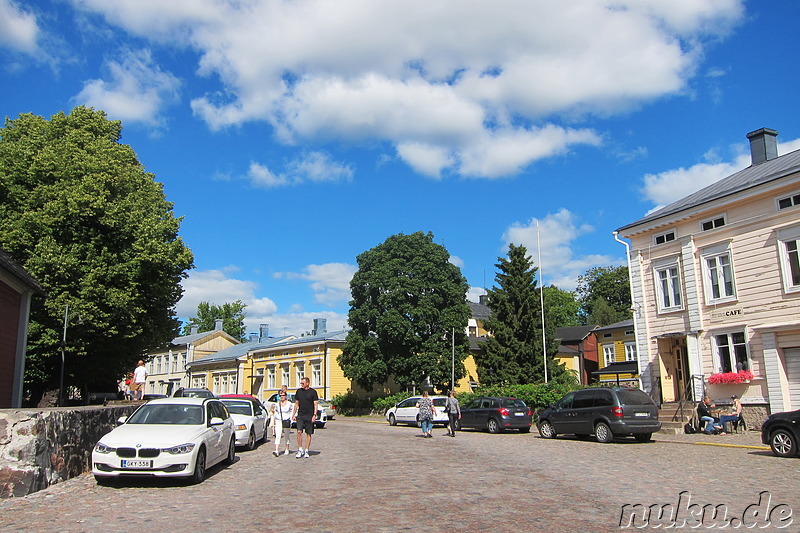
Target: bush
[
  {"x": 380, "y": 405},
  {"x": 350, "y": 403},
  {"x": 535, "y": 395}
]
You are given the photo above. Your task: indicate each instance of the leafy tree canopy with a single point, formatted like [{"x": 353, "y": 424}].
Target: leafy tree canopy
[
  {"x": 232, "y": 315},
  {"x": 612, "y": 286},
  {"x": 513, "y": 351},
  {"x": 408, "y": 299},
  {"x": 80, "y": 213},
  {"x": 562, "y": 309}
]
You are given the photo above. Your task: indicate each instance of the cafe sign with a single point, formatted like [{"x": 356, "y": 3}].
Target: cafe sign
[{"x": 727, "y": 314}]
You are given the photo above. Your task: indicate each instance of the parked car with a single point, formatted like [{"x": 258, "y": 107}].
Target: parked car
[
  {"x": 782, "y": 432},
  {"x": 322, "y": 418},
  {"x": 193, "y": 393},
  {"x": 169, "y": 437},
  {"x": 328, "y": 408},
  {"x": 407, "y": 412},
  {"x": 605, "y": 413},
  {"x": 496, "y": 414},
  {"x": 148, "y": 397},
  {"x": 249, "y": 418}
]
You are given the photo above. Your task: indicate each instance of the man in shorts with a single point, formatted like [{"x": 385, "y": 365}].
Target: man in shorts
[{"x": 306, "y": 403}]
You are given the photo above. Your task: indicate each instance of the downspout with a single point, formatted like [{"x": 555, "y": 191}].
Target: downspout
[{"x": 634, "y": 307}]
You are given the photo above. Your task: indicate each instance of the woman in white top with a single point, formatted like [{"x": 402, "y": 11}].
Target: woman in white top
[{"x": 282, "y": 410}]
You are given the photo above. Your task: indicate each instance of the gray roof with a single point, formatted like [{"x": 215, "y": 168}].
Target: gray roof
[
  {"x": 332, "y": 336},
  {"x": 623, "y": 324},
  {"x": 19, "y": 272},
  {"x": 479, "y": 310},
  {"x": 236, "y": 351},
  {"x": 575, "y": 333},
  {"x": 750, "y": 177}
]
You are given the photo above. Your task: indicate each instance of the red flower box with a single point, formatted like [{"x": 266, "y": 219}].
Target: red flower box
[{"x": 730, "y": 378}]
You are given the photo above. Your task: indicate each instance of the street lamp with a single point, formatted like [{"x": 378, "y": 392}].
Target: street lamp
[{"x": 63, "y": 347}]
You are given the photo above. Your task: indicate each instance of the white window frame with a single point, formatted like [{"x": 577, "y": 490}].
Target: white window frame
[
  {"x": 717, "y": 254},
  {"x": 285, "y": 375},
  {"x": 316, "y": 373},
  {"x": 199, "y": 381},
  {"x": 609, "y": 353},
  {"x": 673, "y": 301},
  {"x": 730, "y": 344},
  {"x": 794, "y": 200},
  {"x": 665, "y": 235},
  {"x": 789, "y": 259},
  {"x": 272, "y": 377},
  {"x": 715, "y": 222},
  {"x": 299, "y": 371},
  {"x": 630, "y": 351}
]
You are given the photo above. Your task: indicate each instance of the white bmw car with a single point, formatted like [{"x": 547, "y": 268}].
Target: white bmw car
[{"x": 170, "y": 437}]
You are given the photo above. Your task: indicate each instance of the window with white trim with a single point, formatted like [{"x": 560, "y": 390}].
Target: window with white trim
[
  {"x": 712, "y": 223},
  {"x": 285, "y": 375},
  {"x": 732, "y": 353},
  {"x": 609, "y": 354},
  {"x": 630, "y": 351},
  {"x": 299, "y": 372},
  {"x": 199, "y": 381},
  {"x": 788, "y": 201},
  {"x": 271, "y": 377},
  {"x": 668, "y": 287},
  {"x": 718, "y": 274},
  {"x": 663, "y": 238},
  {"x": 789, "y": 254},
  {"x": 316, "y": 374}
]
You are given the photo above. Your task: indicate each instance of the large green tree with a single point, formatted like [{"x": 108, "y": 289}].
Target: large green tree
[
  {"x": 80, "y": 212},
  {"x": 610, "y": 285},
  {"x": 408, "y": 300},
  {"x": 561, "y": 308},
  {"x": 513, "y": 353},
  {"x": 231, "y": 313}
]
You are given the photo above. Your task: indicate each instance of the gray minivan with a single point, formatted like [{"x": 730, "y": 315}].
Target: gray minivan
[{"x": 604, "y": 412}]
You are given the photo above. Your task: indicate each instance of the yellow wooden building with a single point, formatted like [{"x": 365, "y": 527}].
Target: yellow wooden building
[{"x": 616, "y": 348}]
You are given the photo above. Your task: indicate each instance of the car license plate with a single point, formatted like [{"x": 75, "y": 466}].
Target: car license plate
[
  {"x": 136, "y": 463},
  {"x": 519, "y": 414},
  {"x": 643, "y": 414}
]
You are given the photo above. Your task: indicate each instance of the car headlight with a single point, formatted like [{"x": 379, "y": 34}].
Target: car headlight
[
  {"x": 179, "y": 449},
  {"x": 102, "y": 448},
  {"x": 240, "y": 427}
]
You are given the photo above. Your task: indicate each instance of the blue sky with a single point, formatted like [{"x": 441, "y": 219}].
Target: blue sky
[{"x": 294, "y": 135}]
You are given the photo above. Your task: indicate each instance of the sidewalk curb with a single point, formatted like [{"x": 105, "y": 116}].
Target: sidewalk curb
[{"x": 720, "y": 444}]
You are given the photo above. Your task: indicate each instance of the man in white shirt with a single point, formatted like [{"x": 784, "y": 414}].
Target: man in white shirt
[{"x": 139, "y": 379}]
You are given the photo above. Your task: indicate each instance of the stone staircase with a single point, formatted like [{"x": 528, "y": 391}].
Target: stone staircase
[{"x": 670, "y": 417}]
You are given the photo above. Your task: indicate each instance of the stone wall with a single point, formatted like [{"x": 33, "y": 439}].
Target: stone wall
[{"x": 40, "y": 447}]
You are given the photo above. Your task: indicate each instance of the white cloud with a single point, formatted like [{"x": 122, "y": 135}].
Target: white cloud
[
  {"x": 330, "y": 281},
  {"x": 669, "y": 186},
  {"x": 216, "y": 287},
  {"x": 556, "y": 233},
  {"x": 311, "y": 166},
  {"x": 137, "y": 89},
  {"x": 18, "y": 28},
  {"x": 471, "y": 89},
  {"x": 474, "y": 294}
]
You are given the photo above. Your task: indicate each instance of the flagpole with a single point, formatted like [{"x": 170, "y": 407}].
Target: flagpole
[{"x": 541, "y": 299}]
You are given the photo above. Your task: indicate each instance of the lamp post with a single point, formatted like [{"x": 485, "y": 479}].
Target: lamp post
[{"x": 63, "y": 348}]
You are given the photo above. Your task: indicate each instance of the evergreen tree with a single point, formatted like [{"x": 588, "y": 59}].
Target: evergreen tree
[{"x": 512, "y": 354}]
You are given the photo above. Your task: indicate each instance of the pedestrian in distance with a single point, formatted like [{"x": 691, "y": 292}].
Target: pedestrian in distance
[
  {"x": 282, "y": 421},
  {"x": 139, "y": 380},
  {"x": 453, "y": 410},
  {"x": 426, "y": 412},
  {"x": 306, "y": 403},
  {"x": 705, "y": 416}
]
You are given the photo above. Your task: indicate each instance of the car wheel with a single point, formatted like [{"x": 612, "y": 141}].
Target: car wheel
[
  {"x": 320, "y": 425},
  {"x": 643, "y": 437},
  {"x": 419, "y": 422},
  {"x": 392, "y": 420},
  {"x": 199, "y": 468},
  {"x": 493, "y": 426},
  {"x": 525, "y": 430},
  {"x": 783, "y": 443},
  {"x": 603, "y": 433},
  {"x": 546, "y": 429},
  {"x": 251, "y": 440},
  {"x": 265, "y": 436},
  {"x": 231, "y": 458}
]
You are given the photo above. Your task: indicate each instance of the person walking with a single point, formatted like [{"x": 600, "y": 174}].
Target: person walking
[
  {"x": 453, "y": 410},
  {"x": 139, "y": 380},
  {"x": 282, "y": 422},
  {"x": 426, "y": 412},
  {"x": 306, "y": 403}
]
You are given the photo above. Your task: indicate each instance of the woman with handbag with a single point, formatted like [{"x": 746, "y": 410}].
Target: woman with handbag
[{"x": 282, "y": 420}]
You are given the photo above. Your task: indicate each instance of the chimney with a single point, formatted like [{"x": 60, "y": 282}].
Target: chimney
[
  {"x": 263, "y": 332},
  {"x": 218, "y": 324},
  {"x": 483, "y": 299},
  {"x": 253, "y": 337},
  {"x": 193, "y": 330},
  {"x": 320, "y": 326},
  {"x": 763, "y": 145}
]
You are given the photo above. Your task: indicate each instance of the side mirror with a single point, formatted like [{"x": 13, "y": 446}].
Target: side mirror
[
  {"x": 122, "y": 420},
  {"x": 216, "y": 421}
]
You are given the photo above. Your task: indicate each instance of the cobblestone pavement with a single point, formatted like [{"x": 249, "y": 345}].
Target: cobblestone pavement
[{"x": 367, "y": 476}]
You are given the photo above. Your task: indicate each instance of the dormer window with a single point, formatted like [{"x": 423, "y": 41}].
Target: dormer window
[
  {"x": 713, "y": 223},
  {"x": 664, "y": 237}
]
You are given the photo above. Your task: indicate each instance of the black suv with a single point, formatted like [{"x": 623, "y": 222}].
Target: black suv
[
  {"x": 782, "y": 432},
  {"x": 604, "y": 412}
]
